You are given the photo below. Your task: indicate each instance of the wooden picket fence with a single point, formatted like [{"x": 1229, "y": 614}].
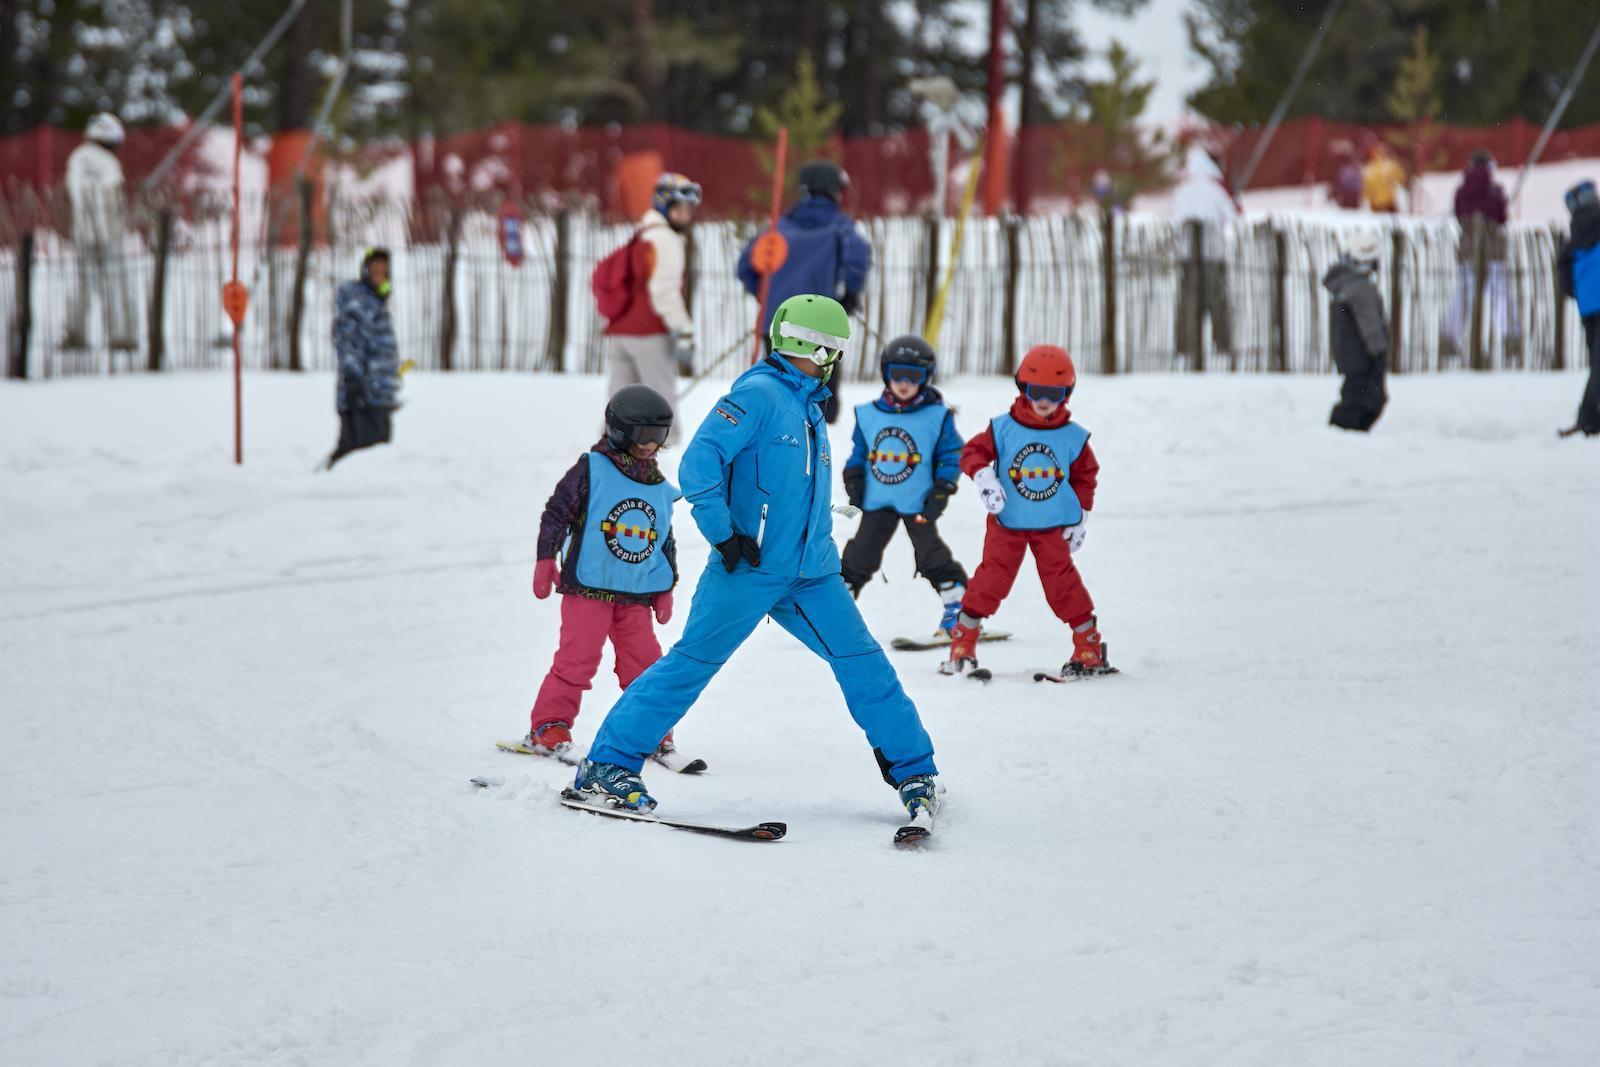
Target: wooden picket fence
[{"x": 1104, "y": 288}]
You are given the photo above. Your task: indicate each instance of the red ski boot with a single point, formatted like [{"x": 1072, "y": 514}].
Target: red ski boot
[
  {"x": 550, "y": 739},
  {"x": 963, "y": 646},
  {"x": 1088, "y": 653}
]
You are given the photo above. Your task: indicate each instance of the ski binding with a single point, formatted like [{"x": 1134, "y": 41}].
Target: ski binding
[{"x": 565, "y": 755}]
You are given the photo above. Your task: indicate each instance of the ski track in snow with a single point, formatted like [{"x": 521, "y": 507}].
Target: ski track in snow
[{"x": 1341, "y": 807}]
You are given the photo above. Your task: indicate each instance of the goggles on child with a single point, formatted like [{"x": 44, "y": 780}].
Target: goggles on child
[
  {"x": 906, "y": 372},
  {"x": 651, "y": 435},
  {"x": 1057, "y": 393}
]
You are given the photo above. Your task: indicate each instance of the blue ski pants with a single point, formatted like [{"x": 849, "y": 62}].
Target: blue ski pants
[{"x": 725, "y": 611}]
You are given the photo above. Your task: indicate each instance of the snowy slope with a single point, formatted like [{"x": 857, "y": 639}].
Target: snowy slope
[{"x": 1341, "y": 808}]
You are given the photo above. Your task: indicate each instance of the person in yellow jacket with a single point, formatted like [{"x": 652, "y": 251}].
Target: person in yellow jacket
[{"x": 1382, "y": 179}]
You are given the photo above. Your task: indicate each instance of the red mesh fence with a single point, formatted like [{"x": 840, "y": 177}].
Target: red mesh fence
[{"x": 890, "y": 174}]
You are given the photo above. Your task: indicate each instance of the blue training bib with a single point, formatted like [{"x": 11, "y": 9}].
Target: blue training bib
[
  {"x": 625, "y": 531},
  {"x": 1033, "y": 466},
  {"x": 900, "y": 448}
]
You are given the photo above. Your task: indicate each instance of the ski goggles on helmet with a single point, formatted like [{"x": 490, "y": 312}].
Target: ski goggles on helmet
[
  {"x": 1055, "y": 393},
  {"x": 906, "y": 372},
  {"x": 829, "y": 346},
  {"x": 676, "y": 189}
]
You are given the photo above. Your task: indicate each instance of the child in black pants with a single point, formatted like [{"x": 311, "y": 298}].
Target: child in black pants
[{"x": 902, "y": 471}]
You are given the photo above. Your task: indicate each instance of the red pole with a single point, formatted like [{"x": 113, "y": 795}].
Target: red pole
[
  {"x": 238, "y": 383},
  {"x": 994, "y": 178},
  {"x": 772, "y": 227}
]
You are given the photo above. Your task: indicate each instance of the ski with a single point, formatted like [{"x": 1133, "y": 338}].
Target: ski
[
  {"x": 678, "y": 763},
  {"x": 980, "y": 674},
  {"x": 941, "y": 640},
  {"x": 761, "y": 831},
  {"x": 1062, "y": 679},
  {"x": 916, "y": 830},
  {"x": 567, "y": 756}
]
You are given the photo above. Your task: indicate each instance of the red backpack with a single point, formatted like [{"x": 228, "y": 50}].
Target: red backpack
[{"x": 612, "y": 281}]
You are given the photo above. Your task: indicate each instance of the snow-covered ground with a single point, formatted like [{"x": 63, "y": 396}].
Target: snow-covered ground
[{"x": 1342, "y": 807}]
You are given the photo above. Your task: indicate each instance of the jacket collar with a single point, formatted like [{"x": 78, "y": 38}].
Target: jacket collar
[
  {"x": 809, "y": 389},
  {"x": 1022, "y": 411}
]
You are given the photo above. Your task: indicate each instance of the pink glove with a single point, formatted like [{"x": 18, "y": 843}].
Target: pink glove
[
  {"x": 544, "y": 577},
  {"x": 663, "y": 605}
]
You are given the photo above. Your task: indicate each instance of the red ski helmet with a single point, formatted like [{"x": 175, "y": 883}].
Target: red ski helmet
[{"x": 1048, "y": 366}]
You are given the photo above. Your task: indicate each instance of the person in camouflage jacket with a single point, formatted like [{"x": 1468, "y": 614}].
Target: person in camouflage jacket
[{"x": 369, "y": 363}]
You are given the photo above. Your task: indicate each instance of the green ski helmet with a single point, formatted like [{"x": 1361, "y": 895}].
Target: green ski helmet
[{"x": 812, "y": 327}]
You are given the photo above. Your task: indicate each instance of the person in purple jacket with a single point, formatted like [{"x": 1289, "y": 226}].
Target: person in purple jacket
[{"x": 1480, "y": 197}]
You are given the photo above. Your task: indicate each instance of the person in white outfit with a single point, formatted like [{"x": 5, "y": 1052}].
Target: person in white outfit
[
  {"x": 1202, "y": 288},
  {"x": 652, "y": 335},
  {"x": 94, "y": 185}
]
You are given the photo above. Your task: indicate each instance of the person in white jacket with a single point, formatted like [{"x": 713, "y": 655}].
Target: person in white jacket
[
  {"x": 94, "y": 185},
  {"x": 654, "y": 335},
  {"x": 1202, "y": 287}
]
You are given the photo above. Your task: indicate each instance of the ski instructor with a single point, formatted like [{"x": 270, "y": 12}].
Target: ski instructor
[{"x": 757, "y": 477}]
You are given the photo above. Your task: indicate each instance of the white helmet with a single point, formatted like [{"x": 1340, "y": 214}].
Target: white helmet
[
  {"x": 1361, "y": 245},
  {"x": 104, "y": 128}
]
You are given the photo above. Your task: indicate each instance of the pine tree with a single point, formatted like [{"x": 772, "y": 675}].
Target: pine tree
[{"x": 810, "y": 119}]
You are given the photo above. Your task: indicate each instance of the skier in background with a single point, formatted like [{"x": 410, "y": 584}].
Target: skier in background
[
  {"x": 758, "y": 478},
  {"x": 827, "y": 253},
  {"x": 1382, "y": 180},
  {"x": 1580, "y": 279},
  {"x": 613, "y": 513},
  {"x": 369, "y": 367},
  {"x": 94, "y": 185},
  {"x": 1036, "y": 476},
  {"x": 1360, "y": 332},
  {"x": 1202, "y": 198},
  {"x": 1479, "y": 196},
  {"x": 652, "y": 335},
  {"x": 903, "y": 470}
]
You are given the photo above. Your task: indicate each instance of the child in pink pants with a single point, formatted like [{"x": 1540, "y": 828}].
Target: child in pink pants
[{"x": 612, "y": 512}]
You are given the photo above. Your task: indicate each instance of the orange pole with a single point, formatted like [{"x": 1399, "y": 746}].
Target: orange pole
[
  {"x": 238, "y": 384},
  {"x": 772, "y": 224}
]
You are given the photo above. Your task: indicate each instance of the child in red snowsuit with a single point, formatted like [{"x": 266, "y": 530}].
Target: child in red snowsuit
[
  {"x": 1036, "y": 475},
  {"x": 613, "y": 513}
]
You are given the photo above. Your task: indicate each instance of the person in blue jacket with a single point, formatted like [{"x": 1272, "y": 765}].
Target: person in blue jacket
[
  {"x": 757, "y": 477},
  {"x": 902, "y": 470},
  {"x": 827, "y": 253},
  {"x": 1580, "y": 279}
]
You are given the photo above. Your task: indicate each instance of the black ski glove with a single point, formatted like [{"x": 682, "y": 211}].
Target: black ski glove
[
  {"x": 855, "y": 485},
  {"x": 850, "y": 301},
  {"x": 937, "y": 500},
  {"x": 736, "y": 547}
]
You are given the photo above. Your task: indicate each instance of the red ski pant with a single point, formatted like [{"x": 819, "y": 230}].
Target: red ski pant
[
  {"x": 585, "y": 625},
  {"x": 1003, "y": 549}
]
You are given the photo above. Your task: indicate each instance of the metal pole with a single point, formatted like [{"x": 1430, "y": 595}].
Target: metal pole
[
  {"x": 238, "y": 326},
  {"x": 1288, "y": 95},
  {"x": 1560, "y": 109},
  {"x": 217, "y": 101}
]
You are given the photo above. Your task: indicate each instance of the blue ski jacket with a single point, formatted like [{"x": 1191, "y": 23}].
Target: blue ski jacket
[
  {"x": 827, "y": 255},
  {"x": 759, "y": 465},
  {"x": 369, "y": 361}
]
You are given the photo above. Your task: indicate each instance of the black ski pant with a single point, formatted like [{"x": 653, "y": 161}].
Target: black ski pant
[
  {"x": 1361, "y": 399},
  {"x": 1589, "y": 408},
  {"x": 864, "y": 554},
  {"x": 360, "y": 428}
]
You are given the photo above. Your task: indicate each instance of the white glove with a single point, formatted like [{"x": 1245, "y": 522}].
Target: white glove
[
  {"x": 988, "y": 483},
  {"x": 683, "y": 349},
  {"x": 1075, "y": 535}
]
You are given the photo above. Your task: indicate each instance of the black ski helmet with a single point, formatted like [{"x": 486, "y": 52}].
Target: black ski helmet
[
  {"x": 823, "y": 177},
  {"x": 637, "y": 414},
  {"x": 908, "y": 350}
]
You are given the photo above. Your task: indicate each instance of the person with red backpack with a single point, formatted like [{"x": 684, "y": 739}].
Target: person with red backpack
[
  {"x": 638, "y": 290},
  {"x": 1036, "y": 476}
]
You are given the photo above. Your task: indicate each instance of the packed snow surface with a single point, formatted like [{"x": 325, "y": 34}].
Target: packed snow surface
[{"x": 1341, "y": 807}]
